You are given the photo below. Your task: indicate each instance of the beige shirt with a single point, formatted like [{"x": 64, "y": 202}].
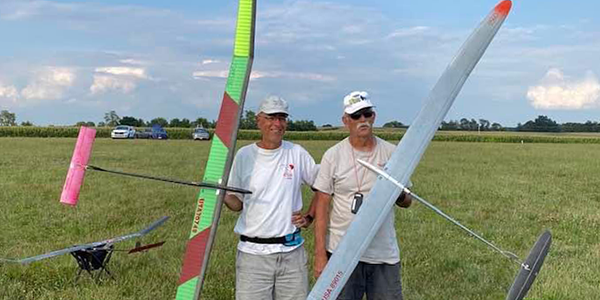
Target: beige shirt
[{"x": 342, "y": 177}]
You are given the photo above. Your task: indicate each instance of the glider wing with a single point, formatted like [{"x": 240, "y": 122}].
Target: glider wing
[{"x": 406, "y": 157}]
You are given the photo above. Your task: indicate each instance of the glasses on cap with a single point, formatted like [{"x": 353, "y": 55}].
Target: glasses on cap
[{"x": 365, "y": 113}]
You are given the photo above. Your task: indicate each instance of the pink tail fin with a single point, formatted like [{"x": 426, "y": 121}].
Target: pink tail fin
[{"x": 81, "y": 156}]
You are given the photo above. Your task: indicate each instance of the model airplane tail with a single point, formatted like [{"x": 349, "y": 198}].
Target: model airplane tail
[
  {"x": 79, "y": 164},
  {"x": 81, "y": 156},
  {"x": 90, "y": 245},
  {"x": 406, "y": 157}
]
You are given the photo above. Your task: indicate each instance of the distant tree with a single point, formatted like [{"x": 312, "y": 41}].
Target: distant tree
[
  {"x": 131, "y": 121},
  {"x": 175, "y": 122},
  {"x": 86, "y": 124},
  {"x": 7, "y": 118},
  {"x": 484, "y": 125},
  {"x": 540, "y": 124},
  {"x": 301, "y": 125},
  {"x": 201, "y": 122},
  {"x": 393, "y": 124},
  {"x": 26, "y": 123},
  {"x": 249, "y": 120},
  {"x": 496, "y": 127},
  {"x": 111, "y": 118},
  {"x": 185, "y": 123},
  {"x": 327, "y": 126},
  {"x": 451, "y": 125},
  {"x": 464, "y": 124},
  {"x": 588, "y": 126},
  {"x": 160, "y": 121},
  {"x": 101, "y": 124}
]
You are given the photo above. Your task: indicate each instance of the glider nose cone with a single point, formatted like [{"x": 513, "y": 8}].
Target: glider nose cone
[{"x": 503, "y": 7}]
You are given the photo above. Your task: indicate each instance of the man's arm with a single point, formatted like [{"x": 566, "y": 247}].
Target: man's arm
[
  {"x": 233, "y": 202},
  {"x": 303, "y": 220},
  {"x": 321, "y": 203}
]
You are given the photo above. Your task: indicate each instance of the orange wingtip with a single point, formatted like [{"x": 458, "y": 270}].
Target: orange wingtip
[{"x": 503, "y": 7}]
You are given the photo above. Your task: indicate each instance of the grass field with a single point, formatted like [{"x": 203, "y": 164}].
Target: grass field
[{"x": 507, "y": 192}]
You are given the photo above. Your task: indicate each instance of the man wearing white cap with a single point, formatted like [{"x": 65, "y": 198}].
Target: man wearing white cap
[
  {"x": 342, "y": 184},
  {"x": 271, "y": 260}
]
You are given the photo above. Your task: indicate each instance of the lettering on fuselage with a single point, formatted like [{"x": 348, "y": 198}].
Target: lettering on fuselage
[
  {"x": 332, "y": 285},
  {"x": 198, "y": 215}
]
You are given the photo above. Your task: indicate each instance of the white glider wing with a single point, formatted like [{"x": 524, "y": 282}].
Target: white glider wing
[{"x": 406, "y": 157}]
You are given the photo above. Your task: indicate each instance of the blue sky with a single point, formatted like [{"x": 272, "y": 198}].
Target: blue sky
[{"x": 67, "y": 61}]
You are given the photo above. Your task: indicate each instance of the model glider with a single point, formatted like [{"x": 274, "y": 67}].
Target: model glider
[
  {"x": 220, "y": 158},
  {"x": 529, "y": 268},
  {"x": 96, "y": 255},
  {"x": 405, "y": 158},
  {"x": 79, "y": 164}
]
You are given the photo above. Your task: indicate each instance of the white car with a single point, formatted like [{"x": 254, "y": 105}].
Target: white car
[
  {"x": 201, "y": 134},
  {"x": 123, "y": 132}
]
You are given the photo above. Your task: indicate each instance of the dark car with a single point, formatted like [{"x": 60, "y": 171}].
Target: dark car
[
  {"x": 159, "y": 133},
  {"x": 145, "y": 134}
]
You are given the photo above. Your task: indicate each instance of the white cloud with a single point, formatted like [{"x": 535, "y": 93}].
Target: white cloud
[
  {"x": 131, "y": 61},
  {"x": 210, "y": 74},
  {"x": 50, "y": 84},
  {"x": 8, "y": 91},
  {"x": 210, "y": 61},
  {"x": 124, "y": 71},
  {"x": 558, "y": 92},
  {"x": 262, "y": 74},
  {"x": 123, "y": 79},
  {"x": 408, "y": 32},
  {"x": 105, "y": 83}
]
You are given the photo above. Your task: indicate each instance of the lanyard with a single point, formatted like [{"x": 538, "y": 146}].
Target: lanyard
[{"x": 359, "y": 183}]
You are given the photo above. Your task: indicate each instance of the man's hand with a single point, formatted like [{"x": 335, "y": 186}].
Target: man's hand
[
  {"x": 301, "y": 220},
  {"x": 319, "y": 264}
]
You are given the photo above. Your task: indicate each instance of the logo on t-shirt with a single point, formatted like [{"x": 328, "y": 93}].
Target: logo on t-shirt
[{"x": 288, "y": 172}]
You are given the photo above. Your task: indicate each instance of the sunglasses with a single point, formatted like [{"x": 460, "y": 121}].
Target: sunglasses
[{"x": 366, "y": 113}]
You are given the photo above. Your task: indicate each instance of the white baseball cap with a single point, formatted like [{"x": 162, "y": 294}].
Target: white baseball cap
[
  {"x": 273, "y": 105},
  {"x": 356, "y": 101}
]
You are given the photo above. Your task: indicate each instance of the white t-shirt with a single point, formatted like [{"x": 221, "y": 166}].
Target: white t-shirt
[
  {"x": 275, "y": 178},
  {"x": 342, "y": 177}
]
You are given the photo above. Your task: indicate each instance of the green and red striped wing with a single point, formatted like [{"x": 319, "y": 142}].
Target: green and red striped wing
[{"x": 220, "y": 157}]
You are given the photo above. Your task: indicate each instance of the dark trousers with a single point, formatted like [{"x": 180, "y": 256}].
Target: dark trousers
[{"x": 377, "y": 281}]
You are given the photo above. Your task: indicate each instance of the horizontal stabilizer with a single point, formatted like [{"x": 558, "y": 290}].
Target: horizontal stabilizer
[
  {"x": 530, "y": 268},
  {"x": 145, "y": 247}
]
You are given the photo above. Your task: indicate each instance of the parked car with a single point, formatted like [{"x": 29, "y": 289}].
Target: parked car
[
  {"x": 159, "y": 133},
  {"x": 145, "y": 134},
  {"x": 200, "y": 134},
  {"x": 123, "y": 132}
]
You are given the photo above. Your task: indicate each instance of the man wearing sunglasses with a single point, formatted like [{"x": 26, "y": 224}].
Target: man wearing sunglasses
[
  {"x": 271, "y": 262},
  {"x": 342, "y": 184}
]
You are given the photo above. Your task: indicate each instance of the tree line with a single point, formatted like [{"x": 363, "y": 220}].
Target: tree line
[{"x": 248, "y": 121}]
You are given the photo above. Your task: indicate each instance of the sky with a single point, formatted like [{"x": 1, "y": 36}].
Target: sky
[{"x": 62, "y": 62}]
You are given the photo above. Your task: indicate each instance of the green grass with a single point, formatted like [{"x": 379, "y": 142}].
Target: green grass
[{"x": 507, "y": 192}]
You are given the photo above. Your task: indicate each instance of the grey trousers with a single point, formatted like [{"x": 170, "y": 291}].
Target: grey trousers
[{"x": 277, "y": 276}]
